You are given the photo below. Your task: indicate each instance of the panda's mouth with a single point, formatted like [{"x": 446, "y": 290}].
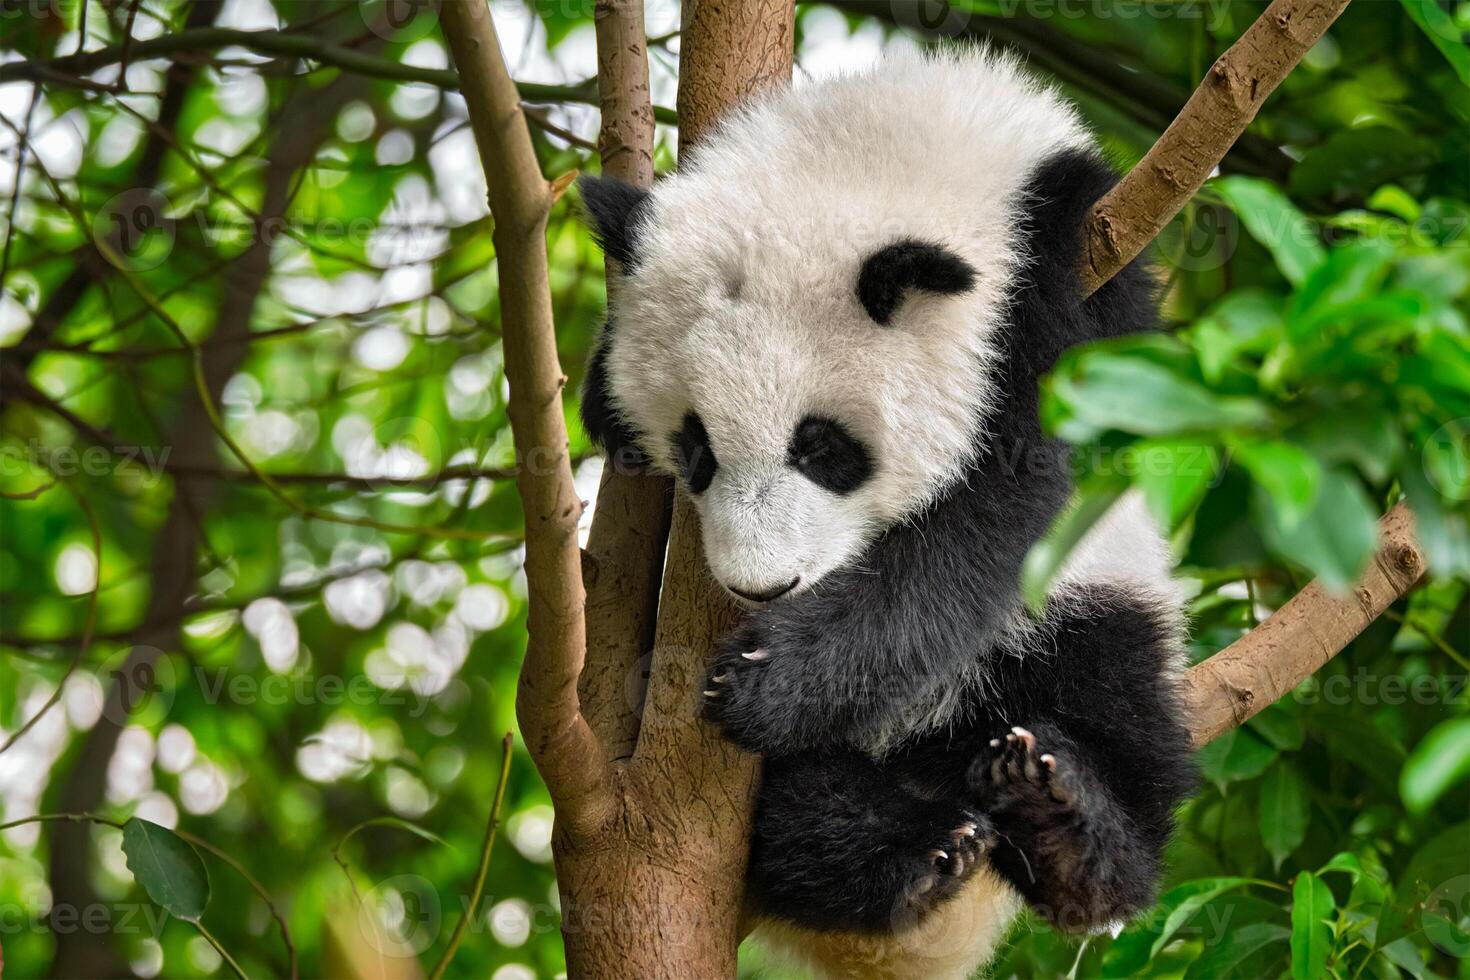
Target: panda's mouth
[{"x": 760, "y": 598}]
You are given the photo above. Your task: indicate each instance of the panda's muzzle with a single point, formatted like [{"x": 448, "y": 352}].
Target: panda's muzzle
[{"x": 768, "y": 595}]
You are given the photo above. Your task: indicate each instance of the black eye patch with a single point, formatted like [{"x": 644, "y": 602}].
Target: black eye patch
[
  {"x": 828, "y": 455},
  {"x": 910, "y": 264},
  {"x": 693, "y": 453}
]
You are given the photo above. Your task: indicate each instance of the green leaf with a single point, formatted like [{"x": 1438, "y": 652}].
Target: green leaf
[
  {"x": 1364, "y": 437},
  {"x": 1336, "y": 540},
  {"x": 1242, "y": 321},
  {"x": 1244, "y": 952},
  {"x": 1288, "y": 473},
  {"x": 1441, "y": 29},
  {"x": 1438, "y": 762},
  {"x": 1353, "y": 161},
  {"x": 1235, "y": 756},
  {"x": 1346, "y": 862},
  {"x": 1184, "y": 901},
  {"x": 1279, "y": 727},
  {"x": 167, "y": 867},
  {"x": 1341, "y": 288},
  {"x": 1174, "y": 475},
  {"x": 1047, "y": 556},
  {"x": 1275, "y": 222},
  {"x": 1311, "y": 904},
  {"x": 1107, "y": 391},
  {"x": 1283, "y": 813}
]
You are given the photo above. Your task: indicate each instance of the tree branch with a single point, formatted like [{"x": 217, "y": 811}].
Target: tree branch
[
  {"x": 567, "y": 753},
  {"x": 295, "y": 45},
  {"x": 630, "y": 525},
  {"x": 1132, "y": 214},
  {"x": 1314, "y": 625}
]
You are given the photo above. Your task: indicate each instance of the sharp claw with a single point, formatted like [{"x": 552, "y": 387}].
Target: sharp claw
[
  {"x": 968, "y": 830},
  {"x": 711, "y": 694},
  {"x": 719, "y": 678},
  {"x": 939, "y": 855},
  {"x": 995, "y": 743},
  {"x": 756, "y": 654},
  {"x": 1050, "y": 761}
]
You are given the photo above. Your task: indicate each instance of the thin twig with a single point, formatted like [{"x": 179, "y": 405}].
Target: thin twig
[
  {"x": 259, "y": 889},
  {"x": 224, "y": 955},
  {"x": 480, "y": 874}
]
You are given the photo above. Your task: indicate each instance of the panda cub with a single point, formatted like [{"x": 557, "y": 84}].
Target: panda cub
[{"x": 829, "y": 326}]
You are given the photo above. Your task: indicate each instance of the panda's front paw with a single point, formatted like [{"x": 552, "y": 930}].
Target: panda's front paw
[{"x": 757, "y": 691}]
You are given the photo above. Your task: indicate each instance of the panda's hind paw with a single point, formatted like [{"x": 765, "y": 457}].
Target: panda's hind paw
[
  {"x": 1020, "y": 765},
  {"x": 944, "y": 864}
]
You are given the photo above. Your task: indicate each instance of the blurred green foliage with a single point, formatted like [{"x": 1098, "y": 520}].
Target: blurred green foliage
[{"x": 328, "y": 682}]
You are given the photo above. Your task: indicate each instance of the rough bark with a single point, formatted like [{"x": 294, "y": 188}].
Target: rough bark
[
  {"x": 1131, "y": 216},
  {"x": 630, "y": 526},
  {"x": 1301, "y": 636}
]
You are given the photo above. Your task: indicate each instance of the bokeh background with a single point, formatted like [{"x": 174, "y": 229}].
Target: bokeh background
[{"x": 287, "y": 619}]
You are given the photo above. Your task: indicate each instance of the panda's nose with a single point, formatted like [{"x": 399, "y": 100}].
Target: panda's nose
[{"x": 768, "y": 594}]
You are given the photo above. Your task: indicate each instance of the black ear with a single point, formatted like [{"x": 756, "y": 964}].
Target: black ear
[
  {"x": 615, "y": 210},
  {"x": 601, "y": 418},
  {"x": 910, "y": 264}
]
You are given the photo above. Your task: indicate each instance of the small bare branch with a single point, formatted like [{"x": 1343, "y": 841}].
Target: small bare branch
[
  {"x": 1300, "y": 637},
  {"x": 1132, "y": 214}
]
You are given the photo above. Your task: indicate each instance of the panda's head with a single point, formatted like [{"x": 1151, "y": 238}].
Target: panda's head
[{"x": 810, "y": 385}]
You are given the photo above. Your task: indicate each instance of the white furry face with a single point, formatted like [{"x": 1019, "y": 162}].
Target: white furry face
[{"x": 743, "y": 310}]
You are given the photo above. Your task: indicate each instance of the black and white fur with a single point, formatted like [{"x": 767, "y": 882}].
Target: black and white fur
[{"x": 830, "y": 326}]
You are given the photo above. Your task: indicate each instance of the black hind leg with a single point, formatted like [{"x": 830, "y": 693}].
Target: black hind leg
[
  {"x": 1065, "y": 842},
  {"x": 1078, "y": 756},
  {"x": 842, "y": 842}
]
